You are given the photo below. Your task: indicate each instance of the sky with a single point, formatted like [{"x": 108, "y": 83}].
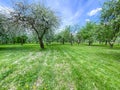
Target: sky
[{"x": 71, "y": 12}]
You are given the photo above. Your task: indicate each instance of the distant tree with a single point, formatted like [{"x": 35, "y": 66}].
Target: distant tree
[
  {"x": 57, "y": 37},
  {"x": 79, "y": 37},
  {"x": 74, "y": 33},
  {"x": 65, "y": 35},
  {"x": 87, "y": 32},
  {"x": 21, "y": 39}
]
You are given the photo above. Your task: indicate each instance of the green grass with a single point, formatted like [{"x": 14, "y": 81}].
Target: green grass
[{"x": 59, "y": 67}]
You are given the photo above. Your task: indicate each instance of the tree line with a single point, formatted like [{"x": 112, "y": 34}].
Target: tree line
[{"x": 35, "y": 23}]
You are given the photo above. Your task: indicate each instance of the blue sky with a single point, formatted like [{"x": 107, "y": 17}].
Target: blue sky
[{"x": 71, "y": 12}]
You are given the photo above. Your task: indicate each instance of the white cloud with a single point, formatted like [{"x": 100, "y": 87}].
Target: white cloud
[
  {"x": 94, "y": 11},
  {"x": 87, "y": 20},
  {"x": 70, "y": 18},
  {"x": 64, "y": 9},
  {"x": 5, "y": 10}
]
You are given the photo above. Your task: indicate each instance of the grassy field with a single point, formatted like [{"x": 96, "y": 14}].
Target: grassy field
[{"x": 59, "y": 67}]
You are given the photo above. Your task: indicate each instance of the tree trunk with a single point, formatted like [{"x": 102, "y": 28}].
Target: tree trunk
[
  {"x": 21, "y": 41},
  {"x": 41, "y": 43},
  {"x": 111, "y": 44},
  {"x": 99, "y": 42},
  {"x": 63, "y": 41},
  {"x": 71, "y": 42},
  {"x": 106, "y": 42},
  {"x": 14, "y": 42},
  {"x": 89, "y": 43},
  {"x": 39, "y": 38},
  {"x": 78, "y": 41}
]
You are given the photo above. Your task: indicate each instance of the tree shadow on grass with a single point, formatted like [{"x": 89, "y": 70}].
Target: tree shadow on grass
[
  {"x": 24, "y": 48},
  {"x": 115, "y": 47},
  {"x": 110, "y": 55}
]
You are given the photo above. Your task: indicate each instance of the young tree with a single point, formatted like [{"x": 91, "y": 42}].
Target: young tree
[
  {"x": 57, "y": 37},
  {"x": 65, "y": 35},
  {"x": 78, "y": 37},
  {"x": 36, "y": 17},
  {"x": 88, "y": 32}
]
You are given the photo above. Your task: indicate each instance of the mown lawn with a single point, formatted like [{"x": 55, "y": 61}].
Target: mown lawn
[{"x": 59, "y": 67}]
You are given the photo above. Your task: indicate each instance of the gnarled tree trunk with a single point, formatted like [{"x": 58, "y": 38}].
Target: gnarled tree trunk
[{"x": 41, "y": 43}]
